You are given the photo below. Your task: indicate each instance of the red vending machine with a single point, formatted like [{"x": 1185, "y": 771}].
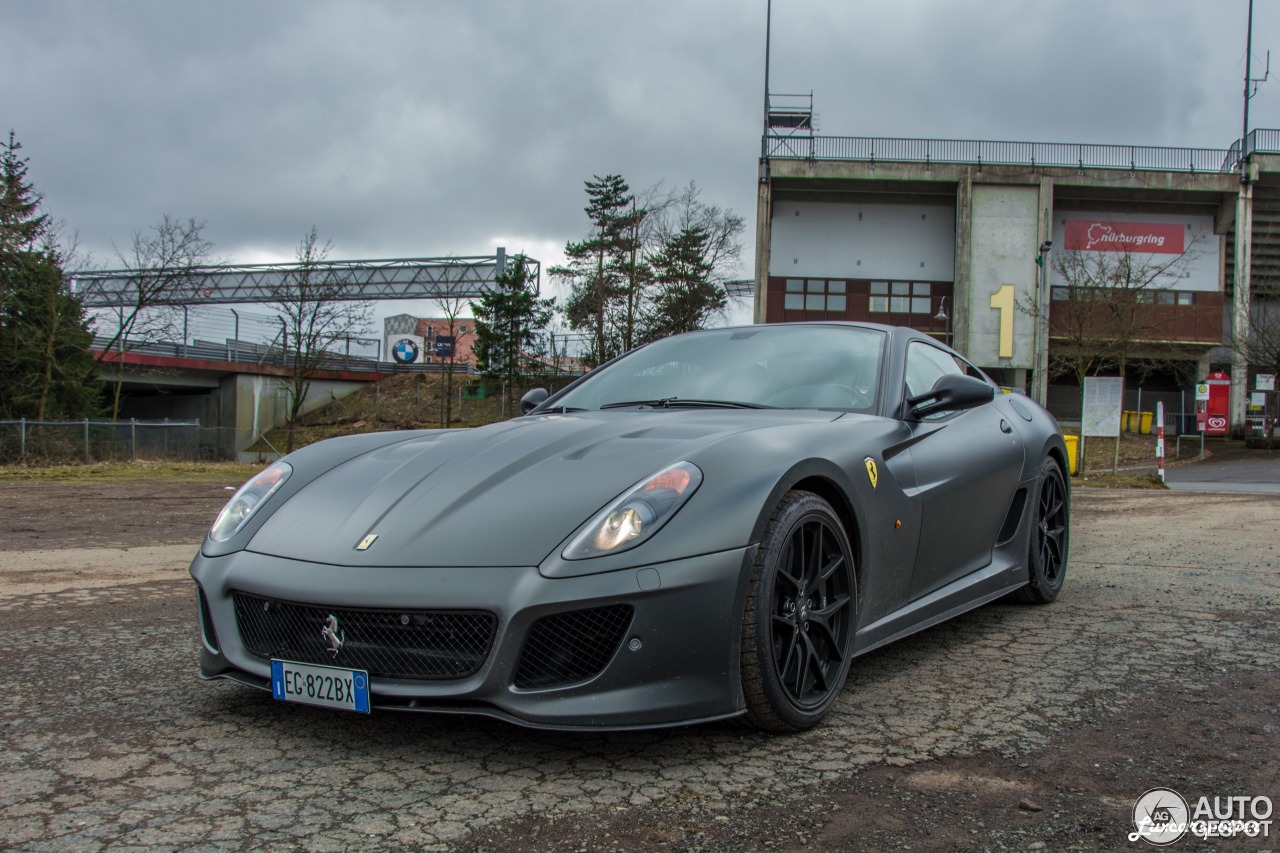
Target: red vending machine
[{"x": 1213, "y": 404}]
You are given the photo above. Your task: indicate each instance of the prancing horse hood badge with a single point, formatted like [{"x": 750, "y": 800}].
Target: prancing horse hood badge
[
  {"x": 366, "y": 542},
  {"x": 332, "y": 635}
]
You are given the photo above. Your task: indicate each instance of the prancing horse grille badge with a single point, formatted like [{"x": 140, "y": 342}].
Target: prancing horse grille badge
[{"x": 332, "y": 635}]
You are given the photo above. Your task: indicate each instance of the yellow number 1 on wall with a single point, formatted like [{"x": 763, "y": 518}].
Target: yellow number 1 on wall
[{"x": 1002, "y": 301}]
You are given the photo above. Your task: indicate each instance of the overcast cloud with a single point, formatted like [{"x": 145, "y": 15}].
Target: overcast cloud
[{"x": 405, "y": 129}]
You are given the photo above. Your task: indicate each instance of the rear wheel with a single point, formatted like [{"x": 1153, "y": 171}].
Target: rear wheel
[
  {"x": 798, "y": 624},
  {"x": 1047, "y": 560}
]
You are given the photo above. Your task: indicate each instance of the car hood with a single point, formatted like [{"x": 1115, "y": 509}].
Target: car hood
[{"x": 502, "y": 495}]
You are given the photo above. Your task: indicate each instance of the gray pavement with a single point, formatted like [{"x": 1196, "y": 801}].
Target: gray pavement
[
  {"x": 108, "y": 742},
  {"x": 1258, "y": 473}
]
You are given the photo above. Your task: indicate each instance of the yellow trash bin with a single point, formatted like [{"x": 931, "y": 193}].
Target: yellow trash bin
[
  {"x": 1147, "y": 417},
  {"x": 1127, "y": 423},
  {"x": 1073, "y": 442}
]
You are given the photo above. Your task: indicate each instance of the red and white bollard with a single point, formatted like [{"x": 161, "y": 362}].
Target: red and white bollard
[{"x": 1160, "y": 440}]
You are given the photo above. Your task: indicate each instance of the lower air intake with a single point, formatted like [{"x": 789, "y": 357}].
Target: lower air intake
[{"x": 570, "y": 647}]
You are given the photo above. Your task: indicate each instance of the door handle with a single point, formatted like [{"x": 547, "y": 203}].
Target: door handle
[{"x": 1004, "y": 427}]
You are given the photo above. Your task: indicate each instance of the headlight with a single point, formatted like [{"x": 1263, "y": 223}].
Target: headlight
[
  {"x": 637, "y": 515},
  {"x": 244, "y": 502}
]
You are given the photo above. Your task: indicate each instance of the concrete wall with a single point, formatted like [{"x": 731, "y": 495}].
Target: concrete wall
[
  {"x": 906, "y": 242},
  {"x": 1002, "y": 250}
]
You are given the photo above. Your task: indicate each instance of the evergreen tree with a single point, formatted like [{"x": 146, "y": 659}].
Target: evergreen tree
[
  {"x": 604, "y": 270},
  {"x": 46, "y": 369},
  {"x": 687, "y": 297},
  {"x": 508, "y": 320},
  {"x": 22, "y": 226}
]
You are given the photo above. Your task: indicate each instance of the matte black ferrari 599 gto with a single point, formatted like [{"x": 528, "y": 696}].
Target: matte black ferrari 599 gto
[{"x": 711, "y": 526}]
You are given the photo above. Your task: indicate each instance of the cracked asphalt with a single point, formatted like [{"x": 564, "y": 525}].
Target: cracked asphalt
[{"x": 108, "y": 741}]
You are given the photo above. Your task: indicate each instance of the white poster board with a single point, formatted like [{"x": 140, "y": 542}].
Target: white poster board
[{"x": 1103, "y": 401}]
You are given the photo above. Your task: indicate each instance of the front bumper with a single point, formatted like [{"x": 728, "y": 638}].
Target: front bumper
[{"x": 676, "y": 663}]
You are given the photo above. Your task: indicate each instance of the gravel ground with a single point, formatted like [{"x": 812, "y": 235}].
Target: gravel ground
[{"x": 1008, "y": 728}]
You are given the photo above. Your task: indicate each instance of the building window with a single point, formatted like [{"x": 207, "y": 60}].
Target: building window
[
  {"x": 815, "y": 294},
  {"x": 1186, "y": 298},
  {"x": 794, "y": 299}
]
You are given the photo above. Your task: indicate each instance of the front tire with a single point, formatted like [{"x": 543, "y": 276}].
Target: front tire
[
  {"x": 1047, "y": 560},
  {"x": 798, "y": 623}
]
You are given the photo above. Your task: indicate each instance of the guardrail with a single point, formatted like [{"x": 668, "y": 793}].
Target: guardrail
[{"x": 986, "y": 152}]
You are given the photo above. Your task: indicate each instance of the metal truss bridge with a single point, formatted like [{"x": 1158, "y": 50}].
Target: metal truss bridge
[{"x": 407, "y": 278}]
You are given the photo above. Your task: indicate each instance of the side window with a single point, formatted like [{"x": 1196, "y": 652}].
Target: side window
[{"x": 925, "y": 364}]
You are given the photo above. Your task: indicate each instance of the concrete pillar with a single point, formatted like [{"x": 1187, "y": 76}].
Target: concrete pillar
[
  {"x": 1240, "y": 307},
  {"x": 764, "y": 231},
  {"x": 963, "y": 263}
]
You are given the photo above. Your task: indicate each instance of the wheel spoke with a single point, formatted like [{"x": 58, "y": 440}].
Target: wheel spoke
[
  {"x": 833, "y": 565},
  {"x": 787, "y": 568},
  {"x": 814, "y": 560},
  {"x": 811, "y": 669}
]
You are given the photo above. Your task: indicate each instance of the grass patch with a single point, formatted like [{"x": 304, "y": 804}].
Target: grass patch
[
  {"x": 231, "y": 473},
  {"x": 1120, "y": 481}
]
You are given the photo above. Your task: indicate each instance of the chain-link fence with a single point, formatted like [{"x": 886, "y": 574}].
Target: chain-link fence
[{"x": 86, "y": 441}]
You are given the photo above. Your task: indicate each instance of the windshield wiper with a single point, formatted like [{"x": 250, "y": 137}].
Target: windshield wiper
[
  {"x": 679, "y": 402},
  {"x": 715, "y": 404},
  {"x": 652, "y": 404}
]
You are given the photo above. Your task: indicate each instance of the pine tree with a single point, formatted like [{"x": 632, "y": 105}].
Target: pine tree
[
  {"x": 687, "y": 297},
  {"x": 508, "y": 320},
  {"x": 603, "y": 270},
  {"x": 46, "y": 369},
  {"x": 22, "y": 226}
]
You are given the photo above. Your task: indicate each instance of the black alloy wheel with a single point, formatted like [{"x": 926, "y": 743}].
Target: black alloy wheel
[
  {"x": 1047, "y": 560},
  {"x": 798, "y": 625}
]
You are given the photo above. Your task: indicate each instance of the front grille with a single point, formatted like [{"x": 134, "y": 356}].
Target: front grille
[
  {"x": 569, "y": 647},
  {"x": 388, "y": 643},
  {"x": 206, "y": 621}
]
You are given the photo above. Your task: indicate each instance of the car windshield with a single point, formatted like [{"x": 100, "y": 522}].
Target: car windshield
[{"x": 779, "y": 366}]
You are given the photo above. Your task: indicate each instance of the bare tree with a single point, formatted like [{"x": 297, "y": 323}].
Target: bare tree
[
  {"x": 317, "y": 313},
  {"x": 1111, "y": 307},
  {"x": 685, "y": 211},
  {"x": 453, "y": 300},
  {"x": 1261, "y": 349},
  {"x": 161, "y": 262}
]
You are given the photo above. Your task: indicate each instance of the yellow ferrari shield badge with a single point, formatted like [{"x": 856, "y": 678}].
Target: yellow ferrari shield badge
[
  {"x": 872, "y": 473},
  {"x": 366, "y": 542}
]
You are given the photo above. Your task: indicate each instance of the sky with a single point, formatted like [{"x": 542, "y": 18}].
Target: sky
[{"x": 451, "y": 127}]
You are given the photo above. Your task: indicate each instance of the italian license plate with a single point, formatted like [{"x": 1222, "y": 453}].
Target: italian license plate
[{"x": 328, "y": 686}]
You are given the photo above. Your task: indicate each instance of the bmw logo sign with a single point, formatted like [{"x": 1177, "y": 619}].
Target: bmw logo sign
[{"x": 405, "y": 351}]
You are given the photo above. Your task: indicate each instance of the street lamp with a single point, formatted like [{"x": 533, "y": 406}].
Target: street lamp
[{"x": 1041, "y": 382}]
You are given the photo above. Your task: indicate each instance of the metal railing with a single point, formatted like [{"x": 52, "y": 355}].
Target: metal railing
[
  {"x": 88, "y": 441},
  {"x": 987, "y": 152}
]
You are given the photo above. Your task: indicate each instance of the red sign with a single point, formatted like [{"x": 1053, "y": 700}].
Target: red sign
[
  {"x": 1143, "y": 238},
  {"x": 1211, "y": 414}
]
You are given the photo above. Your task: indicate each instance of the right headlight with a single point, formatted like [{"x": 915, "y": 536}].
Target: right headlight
[
  {"x": 637, "y": 515},
  {"x": 246, "y": 501}
]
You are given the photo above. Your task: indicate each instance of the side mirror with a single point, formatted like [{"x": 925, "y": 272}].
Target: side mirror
[
  {"x": 950, "y": 393},
  {"x": 532, "y": 400}
]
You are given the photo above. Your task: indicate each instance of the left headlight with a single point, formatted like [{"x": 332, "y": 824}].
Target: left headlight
[
  {"x": 246, "y": 501},
  {"x": 637, "y": 515}
]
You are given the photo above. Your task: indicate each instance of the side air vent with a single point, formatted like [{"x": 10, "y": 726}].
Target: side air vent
[{"x": 1014, "y": 516}]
